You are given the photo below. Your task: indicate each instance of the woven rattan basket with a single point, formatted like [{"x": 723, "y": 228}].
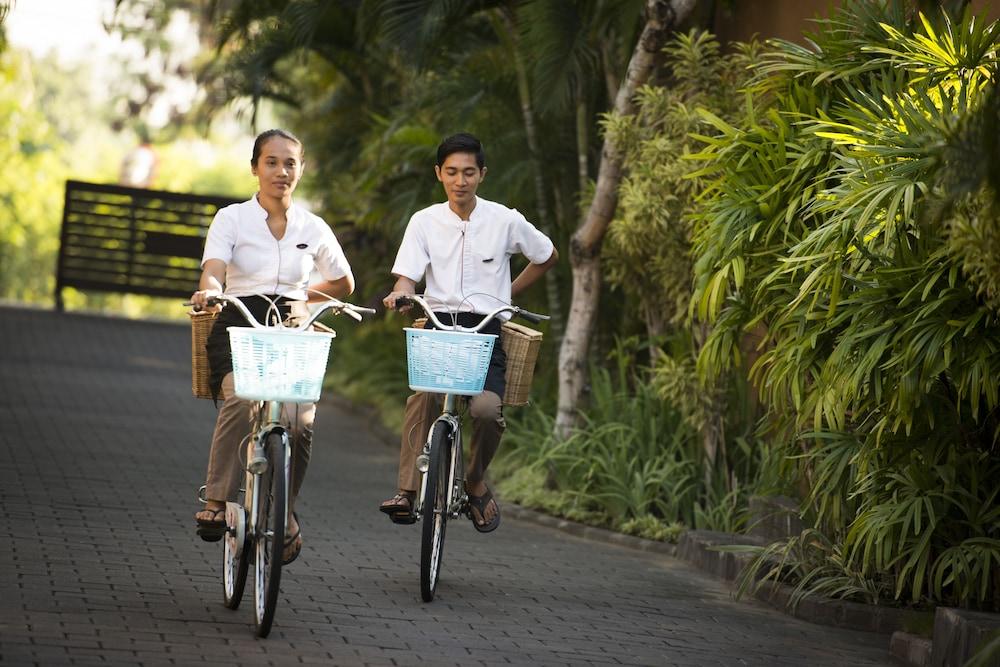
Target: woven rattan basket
[
  {"x": 521, "y": 345},
  {"x": 201, "y": 326}
]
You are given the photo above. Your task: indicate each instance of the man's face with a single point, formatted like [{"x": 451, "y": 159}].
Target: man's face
[{"x": 461, "y": 177}]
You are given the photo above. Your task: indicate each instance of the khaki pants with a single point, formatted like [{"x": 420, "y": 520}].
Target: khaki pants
[
  {"x": 421, "y": 411},
  {"x": 227, "y": 458}
]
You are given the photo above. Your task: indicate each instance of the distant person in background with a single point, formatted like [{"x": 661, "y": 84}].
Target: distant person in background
[{"x": 139, "y": 167}]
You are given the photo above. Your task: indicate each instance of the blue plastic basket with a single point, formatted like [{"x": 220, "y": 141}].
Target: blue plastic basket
[
  {"x": 279, "y": 364},
  {"x": 448, "y": 362}
]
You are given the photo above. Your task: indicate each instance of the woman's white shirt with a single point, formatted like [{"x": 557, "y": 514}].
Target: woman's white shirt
[
  {"x": 466, "y": 263},
  {"x": 258, "y": 263}
]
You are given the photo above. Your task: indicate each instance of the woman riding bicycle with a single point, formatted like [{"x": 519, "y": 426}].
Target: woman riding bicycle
[
  {"x": 462, "y": 248},
  {"x": 268, "y": 246}
]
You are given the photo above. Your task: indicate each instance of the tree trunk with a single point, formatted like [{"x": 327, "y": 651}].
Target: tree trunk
[
  {"x": 509, "y": 25},
  {"x": 582, "y": 145},
  {"x": 662, "y": 17}
]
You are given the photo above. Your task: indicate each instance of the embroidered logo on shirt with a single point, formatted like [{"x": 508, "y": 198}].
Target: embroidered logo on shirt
[{"x": 302, "y": 246}]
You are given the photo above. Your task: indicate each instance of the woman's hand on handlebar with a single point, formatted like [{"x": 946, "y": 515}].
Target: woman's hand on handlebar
[{"x": 200, "y": 299}]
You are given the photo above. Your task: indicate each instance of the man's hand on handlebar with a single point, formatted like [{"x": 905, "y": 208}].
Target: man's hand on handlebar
[{"x": 392, "y": 298}]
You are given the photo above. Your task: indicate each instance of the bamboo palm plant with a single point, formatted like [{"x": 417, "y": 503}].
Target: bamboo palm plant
[{"x": 879, "y": 369}]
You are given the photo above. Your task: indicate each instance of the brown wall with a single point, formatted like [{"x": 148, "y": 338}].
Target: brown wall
[{"x": 789, "y": 19}]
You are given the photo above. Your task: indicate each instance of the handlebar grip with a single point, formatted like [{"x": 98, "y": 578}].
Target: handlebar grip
[
  {"x": 404, "y": 301},
  {"x": 211, "y": 301},
  {"x": 534, "y": 318}
]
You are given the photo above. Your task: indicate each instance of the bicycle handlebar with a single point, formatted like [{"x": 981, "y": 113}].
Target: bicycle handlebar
[
  {"x": 336, "y": 305},
  {"x": 517, "y": 311}
]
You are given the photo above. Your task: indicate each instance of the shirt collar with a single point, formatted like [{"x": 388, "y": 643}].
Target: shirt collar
[
  {"x": 260, "y": 212},
  {"x": 477, "y": 212}
]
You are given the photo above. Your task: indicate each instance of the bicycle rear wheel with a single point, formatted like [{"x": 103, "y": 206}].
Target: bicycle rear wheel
[
  {"x": 435, "y": 509},
  {"x": 269, "y": 532}
]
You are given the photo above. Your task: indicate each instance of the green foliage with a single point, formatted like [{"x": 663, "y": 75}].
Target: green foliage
[
  {"x": 44, "y": 142},
  {"x": 29, "y": 204},
  {"x": 815, "y": 564},
  {"x": 988, "y": 652},
  {"x": 822, "y": 222},
  {"x": 648, "y": 248},
  {"x": 652, "y": 528},
  {"x": 634, "y": 464}
]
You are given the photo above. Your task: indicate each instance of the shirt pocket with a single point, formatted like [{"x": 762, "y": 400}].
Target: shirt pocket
[
  {"x": 305, "y": 260},
  {"x": 490, "y": 264}
]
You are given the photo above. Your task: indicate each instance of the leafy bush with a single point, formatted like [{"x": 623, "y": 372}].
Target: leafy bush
[
  {"x": 634, "y": 465},
  {"x": 823, "y": 224}
]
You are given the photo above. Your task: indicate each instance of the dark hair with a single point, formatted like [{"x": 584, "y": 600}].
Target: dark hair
[
  {"x": 463, "y": 142},
  {"x": 264, "y": 137}
]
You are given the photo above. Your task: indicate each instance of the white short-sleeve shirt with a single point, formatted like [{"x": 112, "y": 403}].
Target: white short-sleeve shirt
[
  {"x": 466, "y": 263},
  {"x": 258, "y": 263}
]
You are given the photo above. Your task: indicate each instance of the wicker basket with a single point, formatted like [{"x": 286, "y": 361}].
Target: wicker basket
[
  {"x": 201, "y": 326},
  {"x": 521, "y": 345}
]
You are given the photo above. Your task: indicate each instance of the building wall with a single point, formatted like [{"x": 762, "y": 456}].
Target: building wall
[{"x": 789, "y": 19}]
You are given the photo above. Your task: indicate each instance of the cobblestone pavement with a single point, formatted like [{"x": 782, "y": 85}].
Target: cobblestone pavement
[{"x": 102, "y": 448}]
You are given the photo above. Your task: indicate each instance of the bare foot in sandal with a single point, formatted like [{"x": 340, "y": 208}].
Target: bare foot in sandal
[
  {"x": 211, "y": 521},
  {"x": 483, "y": 508},
  {"x": 293, "y": 540},
  {"x": 400, "y": 507}
]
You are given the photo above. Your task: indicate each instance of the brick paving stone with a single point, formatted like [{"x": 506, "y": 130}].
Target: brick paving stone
[{"x": 102, "y": 449}]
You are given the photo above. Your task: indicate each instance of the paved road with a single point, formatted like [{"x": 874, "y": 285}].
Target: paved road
[{"x": 102, "y": 448}]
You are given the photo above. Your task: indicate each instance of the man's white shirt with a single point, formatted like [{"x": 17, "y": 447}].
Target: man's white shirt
[
  {"x": 258, "y": 263},
  {"x": 466, "y": 263}
]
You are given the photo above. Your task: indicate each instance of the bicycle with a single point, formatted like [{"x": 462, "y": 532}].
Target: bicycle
[
  {"x": 450, "y": 360},
  {"x": 271, "y": 366}
]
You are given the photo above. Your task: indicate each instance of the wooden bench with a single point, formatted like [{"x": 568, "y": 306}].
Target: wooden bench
[{"x": 132, "y": 240}]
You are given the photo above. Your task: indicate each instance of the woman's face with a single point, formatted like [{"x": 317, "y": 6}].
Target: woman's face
[{"x": 279, "y": 167}]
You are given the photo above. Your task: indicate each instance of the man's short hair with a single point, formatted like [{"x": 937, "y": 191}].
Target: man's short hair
[{"x": 463, "y": 142}]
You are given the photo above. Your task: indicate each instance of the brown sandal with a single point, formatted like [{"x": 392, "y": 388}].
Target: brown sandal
[{"x": 400, "y": 507}]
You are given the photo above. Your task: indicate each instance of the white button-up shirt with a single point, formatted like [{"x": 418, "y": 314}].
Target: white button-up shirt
[
  {"x": 466, "y": 263},
  {"x": 258, "y": 263}
]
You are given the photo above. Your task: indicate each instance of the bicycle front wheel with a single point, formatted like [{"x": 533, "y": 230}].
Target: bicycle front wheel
[
  {"x": 435, "y": 509},
  {"x": 236, "y": 555},
  {"x": 269, "y": 532}
]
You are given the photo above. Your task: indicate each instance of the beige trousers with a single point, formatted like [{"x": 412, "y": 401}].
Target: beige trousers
[
  {"x": 227, "y": 458},
  {"x": 421, "y": 411}
]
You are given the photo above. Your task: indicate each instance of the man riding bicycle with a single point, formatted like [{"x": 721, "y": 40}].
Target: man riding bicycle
[{"x": 462, "y": 248}]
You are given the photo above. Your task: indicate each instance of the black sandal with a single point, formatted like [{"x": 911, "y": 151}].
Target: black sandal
[
  {"x": 212, "y": 530},
  {"x": 480, "y": 503},
  {"x": 291, "y": 540},
  {"x": 400, "y": 508}
]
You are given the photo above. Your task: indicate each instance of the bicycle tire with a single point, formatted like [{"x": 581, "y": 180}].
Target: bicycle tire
[
  {"x": 269, "y": 533},
  {"x": 435, "y": 510},
  {"x": 235, "y": 564}
]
